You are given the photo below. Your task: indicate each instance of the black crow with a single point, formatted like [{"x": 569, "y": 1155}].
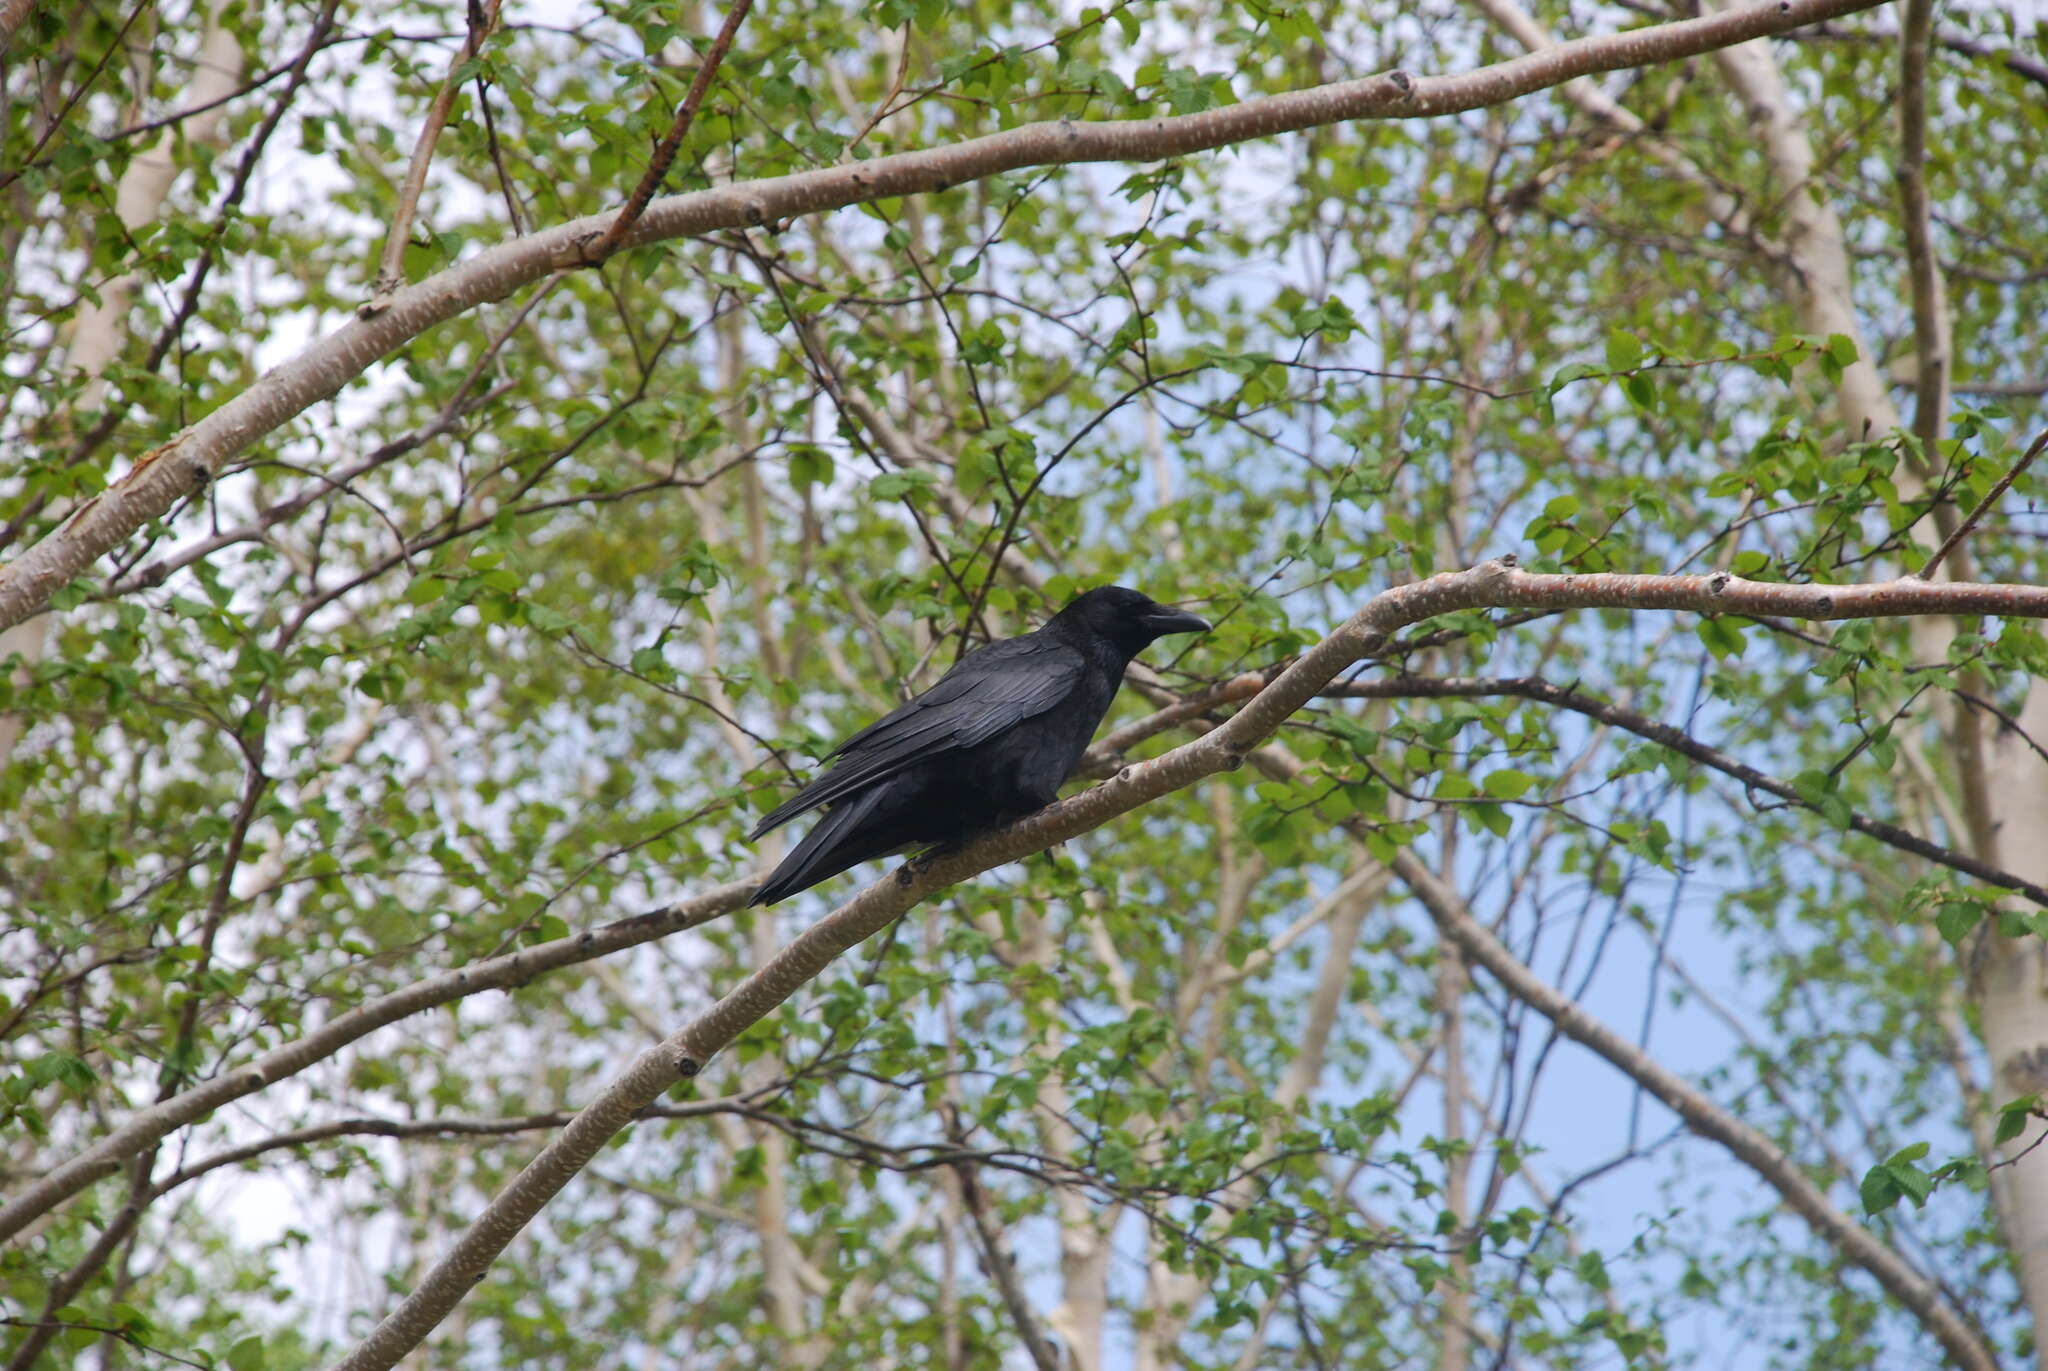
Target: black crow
[{"x": 991, "y": 742}]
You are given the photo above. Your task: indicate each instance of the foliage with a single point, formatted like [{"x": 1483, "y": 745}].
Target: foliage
[{"x": 517, "y": 635}]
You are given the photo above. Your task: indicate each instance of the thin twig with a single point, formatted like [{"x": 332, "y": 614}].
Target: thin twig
[
  {"x": 120, "y": 44},
  {"x": 1931, "y": 328},
  {"x": 1001, "y": 1265},
  {"x": 391, "y": 267},
  {"x": 1984, "y": 505},
  {"x": 643, "y": 194}
]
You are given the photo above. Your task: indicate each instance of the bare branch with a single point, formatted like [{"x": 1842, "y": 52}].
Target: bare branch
[
  {"x": 483, "y": 21},
  {"x": 1701, "y": 1114},
  {"x": 373, "y": 1127},
  {"x": 1683, "y": 743},
  {"x": 1001, "y": 1265}
]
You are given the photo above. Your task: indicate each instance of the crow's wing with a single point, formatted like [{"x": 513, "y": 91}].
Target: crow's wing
[{"x": 993, "y": 689}]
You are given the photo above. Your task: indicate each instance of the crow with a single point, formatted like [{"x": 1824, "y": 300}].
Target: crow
[{"x": 989, "y": 743}]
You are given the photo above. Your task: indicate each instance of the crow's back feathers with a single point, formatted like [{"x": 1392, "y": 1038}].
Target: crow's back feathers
[
  {"x": 992, "y": 741},
  {"x": 991, "y": 689}
]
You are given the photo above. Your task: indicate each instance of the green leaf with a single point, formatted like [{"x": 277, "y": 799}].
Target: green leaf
[
  {"x": 1720, "y": 635},
  {"x": 1624, "y": 350},
  {"x": 2013, "y": 1117},
  {"x": 1878, "y": 1191},
  {"x": 809, "y": 466},
  {"x": 894, "y": 485},
  {"x": 1956, "y": 918},
  {"x": 1507, "y": 784}
]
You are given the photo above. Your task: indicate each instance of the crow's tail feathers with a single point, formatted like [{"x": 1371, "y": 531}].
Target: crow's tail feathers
[{"x": 841, "y": 838}]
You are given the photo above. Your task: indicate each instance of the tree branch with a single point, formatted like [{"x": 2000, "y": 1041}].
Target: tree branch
[
  {"x": 665, "y": 153},
  {"x": 1001, "y": 1265},
  {"x": 1932, "y": 345},
  {"x": 1984, "y": 505},
  {"x": 1701, "y": 1114},
  {"x": 1683, "y": 743},
  {"x": 483, "y": 21},
  {"x": 144, "y": 1129},
  {"x": 166, "y": 474}
]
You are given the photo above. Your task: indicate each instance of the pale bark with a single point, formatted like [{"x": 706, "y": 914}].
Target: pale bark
[
  {"x": 28, "y": 641},
  {"x": 2010, "y": 987},
  {"x": 1933, "y": 346},
  {"x": 2002, "y": 787},
  {"x": 1455, "y": 1320},
  {"x": 13, "y": 14},
  {"x": 163, "y": 476},
  {"x": 1817, "y": 254},
  {"x": 1172, "y": 1296},
  {"x": 101, "y": 326}
]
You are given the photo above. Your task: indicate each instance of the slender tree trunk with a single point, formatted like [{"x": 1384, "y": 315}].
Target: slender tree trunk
[
  {"x": 2002, "y": 785},
  {"x": 2009, "y": 984}
]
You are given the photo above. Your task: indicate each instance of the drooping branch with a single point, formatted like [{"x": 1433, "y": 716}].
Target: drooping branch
[
  {"x": 372, "y": 1127},
  {"x": 1685, "y": 745},
  {"x": 1701, "y": 1114},
  {"x": 145, "y": 1128},
  {"x": 1491, "y": 585},
  {"x": 163, "y": 476}
]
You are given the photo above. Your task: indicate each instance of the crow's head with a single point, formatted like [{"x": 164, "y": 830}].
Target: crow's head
[{"x": 1130, "y": 620}]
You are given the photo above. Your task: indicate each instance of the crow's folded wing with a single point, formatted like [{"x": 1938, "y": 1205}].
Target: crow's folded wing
[{"x": 993, "y": 689}]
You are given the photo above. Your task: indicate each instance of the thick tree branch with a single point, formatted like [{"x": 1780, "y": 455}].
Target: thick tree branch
[
  {"x": 1491, "y": 585},
  {"x": 163, "y": 476}
]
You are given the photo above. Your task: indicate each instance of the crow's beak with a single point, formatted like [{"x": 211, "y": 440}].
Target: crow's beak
[{"x": 1161, "y": 622}]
